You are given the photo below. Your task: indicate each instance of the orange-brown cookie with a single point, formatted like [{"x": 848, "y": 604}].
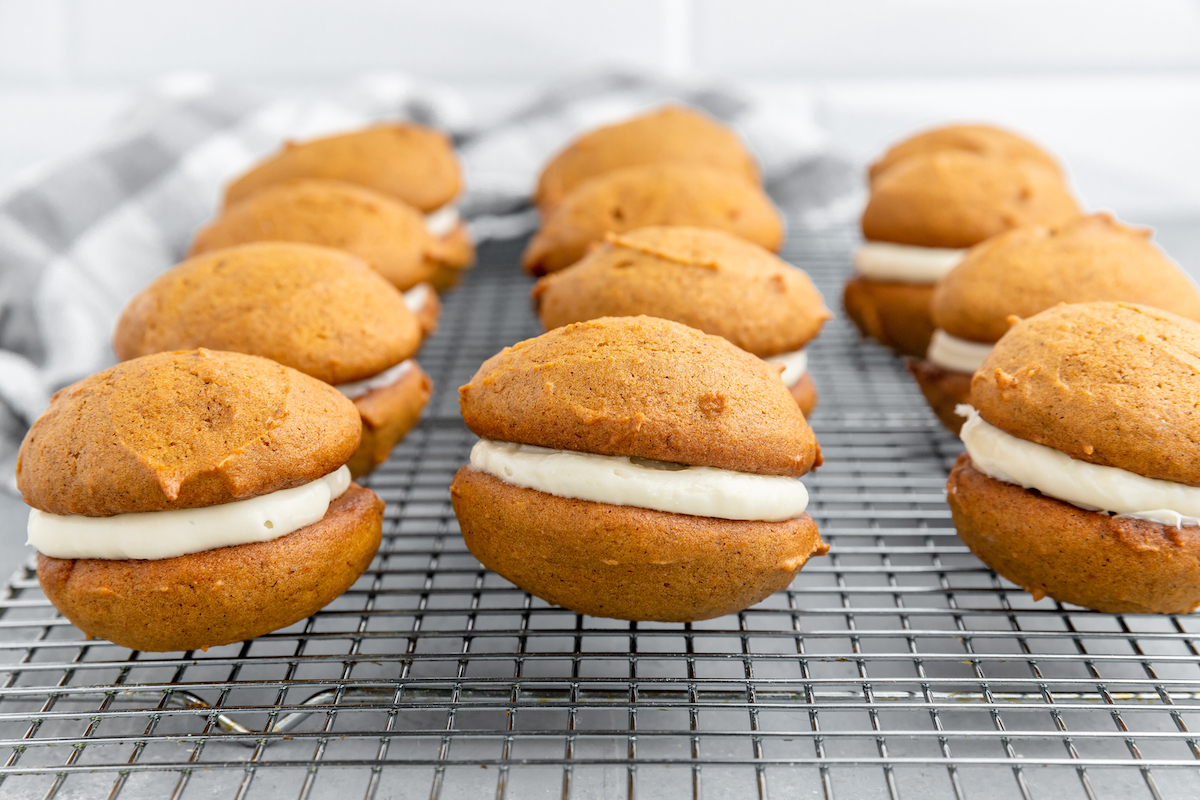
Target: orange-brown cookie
[
  {"x": 986, "y": 140},
  {"x": 387, "y": 234},
  {"x": 804, "y": 392},
  {"x": 957, "y": 198},
  {"x": 219, "y": 596},
  {"x": 894, "y": 313},
  {"x": 388, "y": 414},
  {"x": 183, "y": 430},
  {"x": 637, "y": 388},
  {"x": 944, "y": 390},
  {"x": 653, "y": 194},
  {"x": 671, "y": 133},
  {"x": 1108, "y": 383},
  {"x": 627, "y": 562},
  {"x": 454, "y": 256},
  {"x": 645, "y": 387},
  {"x": 314, "y": 309},
  {"x": 1112, "y": 564},
  {"x": 411, "y": 163}
]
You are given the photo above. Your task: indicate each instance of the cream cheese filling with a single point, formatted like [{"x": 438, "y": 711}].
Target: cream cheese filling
[
  {"x": 155, "y": 535},
  {"x": 657, "y": 485},
  {"x": 418, "y": 297},
  {"x": 442, "y": 221},
  {"x": 356, "y": 389},
  {"x": 1090, "y": 486},
  {"x": 795, "y": 365},
  {"x": 954, "y": 354},
  {"x": 887, "y": 261}
]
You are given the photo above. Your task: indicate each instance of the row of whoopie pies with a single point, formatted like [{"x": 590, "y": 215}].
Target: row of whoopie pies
[{"x": 639, "y": 460}]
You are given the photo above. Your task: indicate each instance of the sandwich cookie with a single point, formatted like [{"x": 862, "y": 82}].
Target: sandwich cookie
[
  {"x": 1081, "y": 479},
  {"x": 671, "y": 133},
  {"x": 986, "y": 140},
  {"x": 316, "y": 310},
  {"x": 412, "y": 164},
  {"x": 705, "y": 278},
  {"x": 652, "y": 194},
  {"x": 387, "y": 234},
  {"x": 191, "y": 499},
  {"x": 636, "y": 468},
  {"x": 1030, "y": 269},
  {"x": 923, "y": 214}
]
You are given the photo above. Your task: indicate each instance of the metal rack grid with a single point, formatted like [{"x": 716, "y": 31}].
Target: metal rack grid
[{"x": 897, "y": 666}]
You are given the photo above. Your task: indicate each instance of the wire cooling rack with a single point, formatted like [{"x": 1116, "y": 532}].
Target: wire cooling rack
[{"x": 898, "y": 666}]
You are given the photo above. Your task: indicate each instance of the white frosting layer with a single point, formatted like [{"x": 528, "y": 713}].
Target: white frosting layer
[
  {"x": 377, "y": 381},
  {"x": 154, "y": 535},
  {"x": 673, "y": 488},
  {"x": 1090, "y": 486},
  {"x": 442, "y": 221},
  {"x": 886, "y": 261},
  {"x": 957, "y": 355},
  {"x": 417, "y": 297},
  {"x": 795, "y": 364}
]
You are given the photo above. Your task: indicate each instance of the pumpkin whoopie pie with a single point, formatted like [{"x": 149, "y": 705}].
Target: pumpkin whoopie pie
[
  {"x": 987, "y": 140},
  {"x": 317, "y": 310},
  {"x": 410, "y": 163},
  {"x": 636, "y": 468},
  {"x": 705, "y": 278},
  {"x": 652, "y": 194},
  {"x": 922, "y": 215},
  {"x": 670, "y": 133},
  {"x": 191, "y": 499},
  {"x": 1081, "y": 479},
  {"x": 1030, "y": 269}
]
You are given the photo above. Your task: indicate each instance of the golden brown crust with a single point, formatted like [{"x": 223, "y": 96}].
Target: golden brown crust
[
  {"x": 943, "y": 390},
  {"x": 387, "y": 234},
  {"x": 220, "y": 596},
  {"x": 627, "y": 562},
  {"x": 429, "y": 313},
  {"x": 986, "y": 140},
  {"x": 1112, "y": 564},
  {"x": 388, "y": 414},
  {"x": 654, "y": 194},
  {"x": 708, "y": 279},
  {"x": 671, "y": 133},
  {"x": 1032, "y": 268},
  {"x": 317, "y": 310},
  {"x": 454, "y": 255},
  {"x": 1108, "y": 383},
  {"x": 804, "y": 392},
  {"x": 956, "y": 198},
  {"x": 183, "y": 430},
  {"x": 411, "y": 163},
  {"x": 893, "y": 313},
  {"x": 640, "y": 386}
]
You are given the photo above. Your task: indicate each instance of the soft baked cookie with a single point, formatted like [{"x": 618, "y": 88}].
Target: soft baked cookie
[
  {"x": 314, "y": 309},
  {"x": 1030, "y": 269},
  {"x": 922, "y": 215},
  {"x": 705, "y": 278},
  {"x": 1081, "y": 479},
  {"x": 190, "y": 499},
  {"x": 390, "y": 236},
  {"x": 410, "y": 163},
  {"x": 671, "y": 133},
  {"x": 653, "y": 194},
  {"x": 986, "y": 140},
  {"x": 636, "y": 468}
]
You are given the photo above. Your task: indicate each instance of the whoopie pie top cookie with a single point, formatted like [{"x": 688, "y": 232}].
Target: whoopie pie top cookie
[
  {"x": 388, "y": 234},
  {"x": 1113, "y": 384},
  {"x": 315, "y": 309},
  {"x": 1032, "y": 268},
  {"x": 956, "y": 199},
  {"x": 183, "y": 430},
  {"x": 702, "y": 277},
  {"x": 412, "y": 163},
  {"x": 986, "y": 140},
  {"x": 652, "y": 194},
  {"x": 670, "y": 133}
]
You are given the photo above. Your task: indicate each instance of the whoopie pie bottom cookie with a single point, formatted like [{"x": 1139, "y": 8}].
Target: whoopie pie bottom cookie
[{"x": 894, "y": 313}]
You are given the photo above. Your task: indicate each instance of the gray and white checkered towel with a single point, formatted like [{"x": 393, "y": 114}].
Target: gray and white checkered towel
[{"x": 80, "y": 240}]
